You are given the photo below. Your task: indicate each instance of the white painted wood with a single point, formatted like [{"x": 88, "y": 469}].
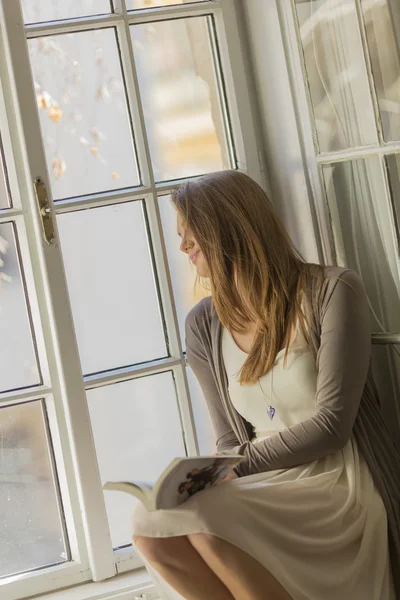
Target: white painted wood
[
  {"x": 9, "y": 214},
  {"x": 101, "y": 199},
  {"x": 71, "y": 25},
  {"x": 127, "y": 373},
  {"x": 8, "y": 398},
  {"x": 43, "y": 581},
  {"x": 174, "y": 11},
  {"x": 240, "y": 89},
  {"x": 361, "y": 152},
  {"x": 122, "y": 15},
  {"x": 371, "y": 82},
  {"x": 87, "y": 516},
  {"x": 129, "y": 586}
]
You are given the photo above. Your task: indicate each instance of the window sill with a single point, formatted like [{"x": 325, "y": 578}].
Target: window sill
[{"x": 138, "y": 583}]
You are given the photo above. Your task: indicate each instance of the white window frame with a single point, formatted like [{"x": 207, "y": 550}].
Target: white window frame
[
  {"x": 63, "y": 388},
  {"x": 313, "y": 158}
]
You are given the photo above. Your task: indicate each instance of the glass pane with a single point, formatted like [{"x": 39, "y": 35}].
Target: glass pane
[
  {"x": 111, "y": 286},
  {"x": 386, "y": 369},
  {"x": 364, "y": 235},
  {"x": 18, "y": 366},
  {"x": 393, "y": 170},
  {"x": 37, "y": 11},
  {"x": 336, "y": 73},
  {"x": 183, "y": 272},
  {"x": 137, "y": 432},
  {"x": 135, "y": 4},
  {"x": 32, "y": 533},
  {"x": 4, "y": 191},
  {"x": 180, "y": 96},
  {"x": 202, "y": 419},
  {"x": 83, "y": 112},
  {"x": 382, "y": 24}
]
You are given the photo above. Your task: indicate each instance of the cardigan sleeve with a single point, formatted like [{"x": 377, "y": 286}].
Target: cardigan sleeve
[
  {"x": 226, "y": 438},
  {"x": 342, "y": 366}
]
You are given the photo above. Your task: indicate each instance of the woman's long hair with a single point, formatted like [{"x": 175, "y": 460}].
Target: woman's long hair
[{"x": 256, "y": 274}]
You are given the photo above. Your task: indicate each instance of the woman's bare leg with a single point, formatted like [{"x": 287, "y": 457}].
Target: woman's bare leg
[
  {"x": 243, "y": 576},
  {"x": 177, "y": 561}
]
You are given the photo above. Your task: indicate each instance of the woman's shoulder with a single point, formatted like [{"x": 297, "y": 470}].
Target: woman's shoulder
[
  {"x": 330, "y": 275},
  {"x": 326, "y": 270},
  {"x": 331, "y": 283},
  {"x": 200, "y": 314}
]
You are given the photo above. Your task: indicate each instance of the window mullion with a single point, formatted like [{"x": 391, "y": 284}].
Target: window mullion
[
  {"x": 301, "y": 98},
  {"x": 170, "y": 313},
  {"x": 33, "y": 393},
  {"x": 370, "y": 75},
  {"x": 173, "y": 11},
  {"x": 69, "y": 393},
  {"x": 9, "y": 214},
  {"x": 391, "y": 208},
  {"x": 7, "y": 150},
  {"x": 128, "y": 373},
  {"x": 100, "y": 199},
  {"x": 238, "y": 82},
  {"x": 135, "y": 105},
  {"x": 154, "y": 220},
  {"x": 71, "y": 25},
  {"x": 360, "y": 152}
]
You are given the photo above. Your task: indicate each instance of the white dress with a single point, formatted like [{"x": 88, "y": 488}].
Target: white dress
[{"x": 319, "y": 528}]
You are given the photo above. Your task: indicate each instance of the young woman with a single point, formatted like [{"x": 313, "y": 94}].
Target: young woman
[{"x": 282, "y": 351}]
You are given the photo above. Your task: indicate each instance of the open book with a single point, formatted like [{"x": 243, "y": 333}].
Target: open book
[{"x": 183, "y": 478}]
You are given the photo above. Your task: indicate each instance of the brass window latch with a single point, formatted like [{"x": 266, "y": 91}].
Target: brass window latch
[{"x": 45, "y": 211}]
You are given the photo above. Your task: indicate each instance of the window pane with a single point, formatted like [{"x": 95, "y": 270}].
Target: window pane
[
  {"x": 386, "y": 369},
  {"x": 111, "y": 286},
  {"x": 4, "y": 192},
  {"x": 183, "y": 272},
  {"x": 135, "y": 4},
  {"x": 32, "y": 534},
  {"x": 364, "y": 235},
  {"x": 137, "y": 432},
  {"x": 180, "y": 96},
  {"x": 393, "y": 170},
  {"x": 202, "y": 419},
  {"x": 336, "y": 73},
  {"x": 36, "y": 11},
  {"x": 18, "y": 366},
  {"x": 83, "y": 112},
  {"x": 382, "y": 23}
]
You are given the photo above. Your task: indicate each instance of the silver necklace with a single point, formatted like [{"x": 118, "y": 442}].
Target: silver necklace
[{"x": 270, "y": 410}]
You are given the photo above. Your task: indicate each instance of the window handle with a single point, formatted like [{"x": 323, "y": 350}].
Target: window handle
[{"x": 45, "y": 211}]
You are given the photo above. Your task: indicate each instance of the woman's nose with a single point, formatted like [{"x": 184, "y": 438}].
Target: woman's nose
[{"x": 186, "y": 245}]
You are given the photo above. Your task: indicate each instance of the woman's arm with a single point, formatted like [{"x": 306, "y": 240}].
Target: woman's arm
[
  {"x": 226, "y": 439},
  {"x": 342, "y": 363}
]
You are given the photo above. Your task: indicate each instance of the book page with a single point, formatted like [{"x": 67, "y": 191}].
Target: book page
[{"x": 192, "y": 475}]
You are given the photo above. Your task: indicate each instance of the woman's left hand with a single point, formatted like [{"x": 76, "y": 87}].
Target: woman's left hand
[{"x": 228, "y": 477}]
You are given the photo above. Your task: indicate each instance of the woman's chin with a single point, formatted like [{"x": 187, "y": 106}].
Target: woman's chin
[{"x": 202, "y": 271}]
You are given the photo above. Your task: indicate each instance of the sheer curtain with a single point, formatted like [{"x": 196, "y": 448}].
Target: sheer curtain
[{"x": 363, "y": 219}]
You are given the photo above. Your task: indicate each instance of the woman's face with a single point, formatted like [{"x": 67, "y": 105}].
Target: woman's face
[{"x": 190, "y": 246}]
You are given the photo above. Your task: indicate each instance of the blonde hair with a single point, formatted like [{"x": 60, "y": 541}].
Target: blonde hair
[{"x": 246, "y": 248}]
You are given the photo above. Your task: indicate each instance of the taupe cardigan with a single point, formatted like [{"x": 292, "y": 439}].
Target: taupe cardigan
[{"x": 346, "y": 400}]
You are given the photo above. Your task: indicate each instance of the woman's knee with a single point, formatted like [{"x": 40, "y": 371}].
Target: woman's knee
[{"x": 204, "y": 541}]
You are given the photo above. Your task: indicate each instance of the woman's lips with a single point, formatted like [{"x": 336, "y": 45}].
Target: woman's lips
[{"x": 193, "y": 257}]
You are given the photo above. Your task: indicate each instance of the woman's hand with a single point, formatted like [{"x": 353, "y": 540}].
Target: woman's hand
[{"x": 231, "y": 475}]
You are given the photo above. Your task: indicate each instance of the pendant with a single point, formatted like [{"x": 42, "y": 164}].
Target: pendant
[{"x": 271, "y": 412}]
